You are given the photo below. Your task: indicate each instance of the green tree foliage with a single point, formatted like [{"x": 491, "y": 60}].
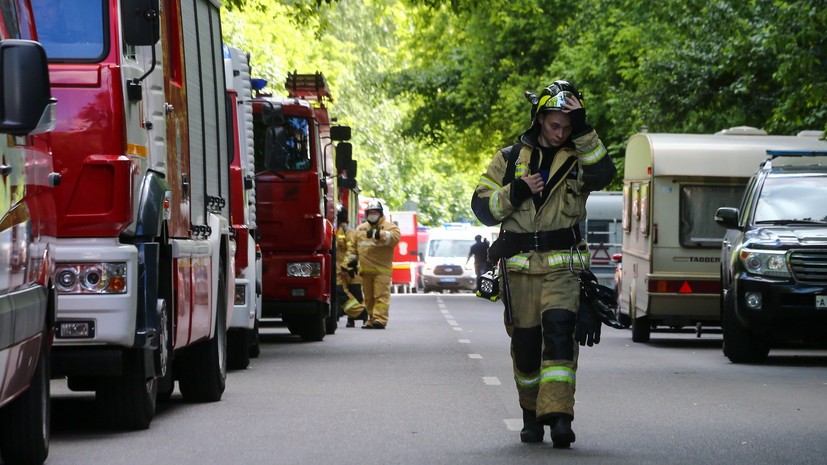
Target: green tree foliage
[{"x": 433, "y": 88}]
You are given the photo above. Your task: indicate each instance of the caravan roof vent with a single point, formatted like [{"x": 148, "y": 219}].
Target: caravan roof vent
[
  {"x": 811, "y": 133},
  {"x": 742, "y": 131}
]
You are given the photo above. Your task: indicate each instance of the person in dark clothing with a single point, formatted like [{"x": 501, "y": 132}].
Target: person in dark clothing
[{"x": 480, "y": 253}]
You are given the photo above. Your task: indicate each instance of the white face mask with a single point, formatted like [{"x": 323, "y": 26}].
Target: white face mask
[{"x": 373, "y": 218}]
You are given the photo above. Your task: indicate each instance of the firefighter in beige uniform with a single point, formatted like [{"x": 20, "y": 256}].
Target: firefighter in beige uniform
[
  {"x": 537, "y": 189},
  {"x": 349, "y": 283},
  {"x": 373, "y": 247}
]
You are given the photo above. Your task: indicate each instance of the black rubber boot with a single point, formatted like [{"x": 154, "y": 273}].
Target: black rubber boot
[
  {"x": 350, "y": 323},
  {"x": 362, "y": 316},
  {"x": 532, "y": 431},
  {"x": 561, "y": 433}
]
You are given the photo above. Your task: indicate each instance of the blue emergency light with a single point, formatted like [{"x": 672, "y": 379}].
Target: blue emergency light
[{"x": 258, "y": 83}]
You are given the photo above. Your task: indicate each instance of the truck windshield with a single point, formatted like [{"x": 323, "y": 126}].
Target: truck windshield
[
  {"x": 792, "y": 199},
  {"x": 71, "y": 30},
  {"x": 450, "y": 247}
]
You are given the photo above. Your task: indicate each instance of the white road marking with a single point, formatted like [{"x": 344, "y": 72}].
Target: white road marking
[
  {"x": 464, "y": 341},
  {"x": 491, "y": 380},
  {"x": 514, "y": 424},
  {"x": 477, "y": 356}
]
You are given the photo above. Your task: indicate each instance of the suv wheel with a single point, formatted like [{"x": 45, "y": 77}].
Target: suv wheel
[{"x": 740, "y": 345}]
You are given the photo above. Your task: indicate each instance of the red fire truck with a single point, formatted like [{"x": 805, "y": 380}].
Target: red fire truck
[
  {"x": 406, "y": 252},
  {"x": 28, "y": 222},
  {"x": 295, "y": 196},
  {"x": 144, "y": 264},
  {"x": 242, "y": 334}
]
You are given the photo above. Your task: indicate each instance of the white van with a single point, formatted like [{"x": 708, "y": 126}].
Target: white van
[
  {"x": 603, "y": 232},
  {"x": 673, "y": 184},
  {"x": 446, "y": 264}
]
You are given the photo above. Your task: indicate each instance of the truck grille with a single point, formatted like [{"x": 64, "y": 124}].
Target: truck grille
[
  {"x": 809, "y": 266},
  {"x": 450, "y": 270}
]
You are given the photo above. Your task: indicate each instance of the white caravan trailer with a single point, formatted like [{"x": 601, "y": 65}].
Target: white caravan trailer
[{"x": 673, "y": 184}]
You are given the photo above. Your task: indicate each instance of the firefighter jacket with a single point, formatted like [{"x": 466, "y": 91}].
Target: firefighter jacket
[
  {"x": 375, "y": 254},
  {"x": 344, "y": 237},
  {"x": 563, "y": 208}
]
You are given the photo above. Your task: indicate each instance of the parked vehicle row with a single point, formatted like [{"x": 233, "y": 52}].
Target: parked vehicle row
[
  {"x": 678, "y": 267},
  {"x": 132, "y": 241}
]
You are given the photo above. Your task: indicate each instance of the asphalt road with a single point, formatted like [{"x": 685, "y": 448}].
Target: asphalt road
[{"x": 436, "y": 387}]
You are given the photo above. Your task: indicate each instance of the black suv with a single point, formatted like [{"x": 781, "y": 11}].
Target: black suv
[{"x": 774, "y": 258}]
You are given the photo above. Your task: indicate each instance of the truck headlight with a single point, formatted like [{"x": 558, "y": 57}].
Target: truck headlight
[
  {"x": 304, "y": 269},
  {"x": 765, "y": 262},
  {"x": 90, "y": 278}
]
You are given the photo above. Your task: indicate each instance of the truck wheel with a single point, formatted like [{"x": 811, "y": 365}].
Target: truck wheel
[
  {"x": 313, "y": 329},
  {"x": 641, "y": 329},
  {"x": 740, "y": 345},
  {"x": 128, "y": 401},
  {"x": 255, "y": 348},
  {"x": 24, "y": 423},
  {"x": 203, "y": 375},
  {"x": 238, "y": 349},
  {"x": 331, "y": 325}
]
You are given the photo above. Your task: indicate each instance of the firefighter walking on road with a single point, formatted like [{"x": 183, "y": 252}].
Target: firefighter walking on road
[
  {"x": 348, "y": 281},
  {"x": 372, "y": 248},
  {"x": 537, "y": 188}
]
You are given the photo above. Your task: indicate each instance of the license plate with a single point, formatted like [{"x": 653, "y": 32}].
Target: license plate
[
  {"x": 447, "y": 280},
  {"x": 821, "y": 301}
]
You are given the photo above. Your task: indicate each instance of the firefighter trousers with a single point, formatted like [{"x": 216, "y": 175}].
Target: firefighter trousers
[
  {"x": 350, "y": 296},
  {"x": 543, "y": 350},
  {"x": 377, "y": 290}
]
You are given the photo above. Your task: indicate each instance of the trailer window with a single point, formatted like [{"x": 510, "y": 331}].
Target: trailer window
[
  {"x": 698, "y": 205},
  {"x": 71, "y": 31}
]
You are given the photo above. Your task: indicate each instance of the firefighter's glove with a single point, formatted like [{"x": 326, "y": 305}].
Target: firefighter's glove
[
  {"x": 519, "y": 192},
  {"x": 373, "y": 233},
  {"x": 587, "y": 330},
  {"x": 578, "y": 123}
]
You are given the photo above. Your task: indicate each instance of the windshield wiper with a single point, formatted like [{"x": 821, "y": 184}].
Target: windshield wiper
[{"x": 790, "y": 221}]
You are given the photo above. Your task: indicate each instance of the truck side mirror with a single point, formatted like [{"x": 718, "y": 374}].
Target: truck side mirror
[
  {"x": 727, "y": 217},
  {"x": 274, "y": 141},
  {"x": 26, "y": 94},
  {"x": 340, "y": 133},
  {"x": 141, "y": 23},
  {"x": 344, "y": 155}
]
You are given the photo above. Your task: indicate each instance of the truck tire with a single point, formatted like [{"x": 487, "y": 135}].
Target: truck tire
[
  {"x": 127, "y": 402},
  {"x": 24, "y": 423},
  {"x": 740, "y": 345},
  {"x": 314, "y": 328},
  {"x": 255, "y": 348},
  {"x": 641, "y": 329},
  {"x": 238, "y": 349},
  {"x": 203, "y": 368}
]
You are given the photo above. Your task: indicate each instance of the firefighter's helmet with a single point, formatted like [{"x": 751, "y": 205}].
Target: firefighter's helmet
[
  {"x": 374, "y": 205},
  {"x": 552, "y": 97}
]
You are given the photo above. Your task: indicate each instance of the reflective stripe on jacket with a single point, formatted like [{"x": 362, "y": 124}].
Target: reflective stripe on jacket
[{"x": 564, "y": 207}]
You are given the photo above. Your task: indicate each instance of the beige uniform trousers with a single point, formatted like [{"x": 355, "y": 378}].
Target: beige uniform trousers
[
  {"x": 550, "y": 389},
  {"x": 377, "y": 291}
]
